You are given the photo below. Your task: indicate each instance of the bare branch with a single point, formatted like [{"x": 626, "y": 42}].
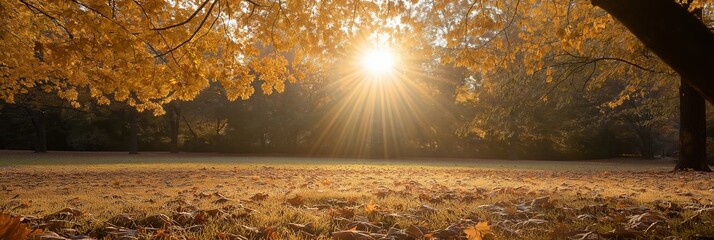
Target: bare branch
[
  {"x": 52, "y": 18},
  {"x": 184, "y": 21},
  {"x": 513, "y": 18},
  {"x": 252, "y": 9},
  {"x": 212, "y": 23},
  {"x": 194, "y": 32},
  {"x": 154, "y": 51},
  {"x": 254, "y": 3}
]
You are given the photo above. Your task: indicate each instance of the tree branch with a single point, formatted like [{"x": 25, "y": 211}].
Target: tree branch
[
  {"x": 52, "y": 18},
  {"x": 192, "y": 34},
  {"x": 674, "y": 34},
  {"x": 184, "y": 21}
]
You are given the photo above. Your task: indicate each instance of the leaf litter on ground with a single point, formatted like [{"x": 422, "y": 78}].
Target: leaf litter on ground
[{"x": 357, "y": 203}]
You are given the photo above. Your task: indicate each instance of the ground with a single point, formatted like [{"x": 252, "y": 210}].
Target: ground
[{"x": 210, "y": 196}]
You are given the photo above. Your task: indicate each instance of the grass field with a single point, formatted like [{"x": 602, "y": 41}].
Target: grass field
[{"x": 210, "y": 196}]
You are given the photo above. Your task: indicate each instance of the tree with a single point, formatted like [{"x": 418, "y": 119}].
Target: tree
[
  {"x": 174, "y": 120},
  {"x": 148, "y": 54},
  {"x": 692, "y": 131},
  {"x": 206, "y": 119},
  {"x": 40, "y": 109},
  {"x": 691, "y": 59},
  {"x": 662, "y": 24}
]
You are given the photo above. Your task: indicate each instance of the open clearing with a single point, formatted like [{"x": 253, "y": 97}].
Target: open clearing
[{"x": 206, "y": 196}]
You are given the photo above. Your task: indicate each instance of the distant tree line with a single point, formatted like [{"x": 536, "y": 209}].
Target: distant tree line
[{"x": 433, "y": 121}]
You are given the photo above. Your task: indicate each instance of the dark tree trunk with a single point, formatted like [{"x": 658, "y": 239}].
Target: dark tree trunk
[
  {"x": 40, "y": 125},
  {"x": 514, "y": 145},
  {"x": 133, "y": 131},
  {"x": 647, "y": 149},
  {"x": 174, "y": 121},
  {"x": 692, "y": 130},
  {"x": 674, "y": 34},
  {"x": 217, "y": 136}
]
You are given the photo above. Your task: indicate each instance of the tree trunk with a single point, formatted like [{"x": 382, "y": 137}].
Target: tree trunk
[
  {"x": 647, "y": 149},
  {"x": 40, "y": 125},
  {"x": 174, "y": 121},
  {"x": 133, "y": 131},
  {"x": 692, "y": 130},
  {"x": 217, "y": 136},
  {"x": 674, "y": 34}
]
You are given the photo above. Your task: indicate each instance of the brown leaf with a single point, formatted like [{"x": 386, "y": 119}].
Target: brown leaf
[
  {"x": 158, "y": 221},
  {"x": 343, "y": 212},
  {"x": 542, "y": 202},
  {"x": 229, "y": 236},
  {"x": 203, "y": 195},
  {"x": 47, "y": 236},
  {"x": 204, "y": 215},
  {"x": 587, "y": 236},
  {"x": 425, "y": 209},
  {"x": 621, "y": 233},
  {"x": 183, "y": 218},
  {"x": 123, "y": 220},
  {"x": 118, "y": 233},
  {"x": 365, "y": 226},
  {"x": 65, "y": 214},
  {"x": 296, "y": 201},
  {"x": 26, "y": 204},
  {"x": 221, "y": 200},
  {"x": 414, "y": 232},
  {"x": 308, "y": 228},
  {"x": 351, "y": 235},
  {"x": 259, "y": 197},
  {"x": 261, "y": 233},
  {"x": 643, "y": 221},
  {"x": 55, "y": 225},
  {"x": 11, "y": 228}
]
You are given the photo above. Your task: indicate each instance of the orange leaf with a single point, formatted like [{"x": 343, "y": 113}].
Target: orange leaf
[
  {"x": 370, "y": 208},
  {"x": 11, "y": 228},
  {"x": 296, "y": 201},
  {"x": 479, "y": 231}
]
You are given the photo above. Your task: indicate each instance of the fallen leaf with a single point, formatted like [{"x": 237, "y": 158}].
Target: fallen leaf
[
  {"x": 370, "y": 207},
  {"x": 122, "y": 220},
  {"x": 296, "y": 201},
  {"x": 221, "y": 200},
  {"x": 480, "y": 231},
  {"x": 11, "y": 228},
  {"x": 351, "y": 235},
  {"x": 259, "y": 197}
]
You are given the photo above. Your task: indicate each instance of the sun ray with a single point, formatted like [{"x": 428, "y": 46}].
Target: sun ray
[
  {"x": 379, "y": 61},
  {"x": 380, "y": 104}
]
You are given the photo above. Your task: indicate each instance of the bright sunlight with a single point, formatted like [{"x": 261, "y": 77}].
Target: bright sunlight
[{"x": 379, "y": 61}]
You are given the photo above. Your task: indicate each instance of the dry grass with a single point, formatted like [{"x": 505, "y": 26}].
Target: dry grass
[{"x": 102, "y": 187}]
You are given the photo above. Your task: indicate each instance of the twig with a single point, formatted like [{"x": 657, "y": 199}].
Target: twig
[
  {"x": 192, "y": 34},
  {"x": 54, "y": 20},
  {"x": 186, "y": 20}
]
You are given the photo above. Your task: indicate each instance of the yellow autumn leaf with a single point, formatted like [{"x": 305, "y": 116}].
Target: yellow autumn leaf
[
  {"x": 479, "y": 231},
  {"x": 370, "y": 207}
]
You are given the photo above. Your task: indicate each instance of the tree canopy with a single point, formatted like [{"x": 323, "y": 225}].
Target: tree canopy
[{"x": 149, "y": 53}]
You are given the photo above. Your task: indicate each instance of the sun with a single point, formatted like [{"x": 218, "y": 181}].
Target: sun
[{"x": 379, "y": 61}]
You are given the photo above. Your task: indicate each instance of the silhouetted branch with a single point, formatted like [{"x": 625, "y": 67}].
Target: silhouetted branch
[
  {"x": 52, "y": 18},
  {"x": 186, "y": 20},
  {"x": 192, "y": 34}
]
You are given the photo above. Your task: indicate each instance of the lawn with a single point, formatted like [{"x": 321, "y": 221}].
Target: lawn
[{"x": 210, "y": 196}]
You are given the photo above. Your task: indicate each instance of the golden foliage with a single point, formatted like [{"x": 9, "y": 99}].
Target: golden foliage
[{"x": 149, "y": 53}]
